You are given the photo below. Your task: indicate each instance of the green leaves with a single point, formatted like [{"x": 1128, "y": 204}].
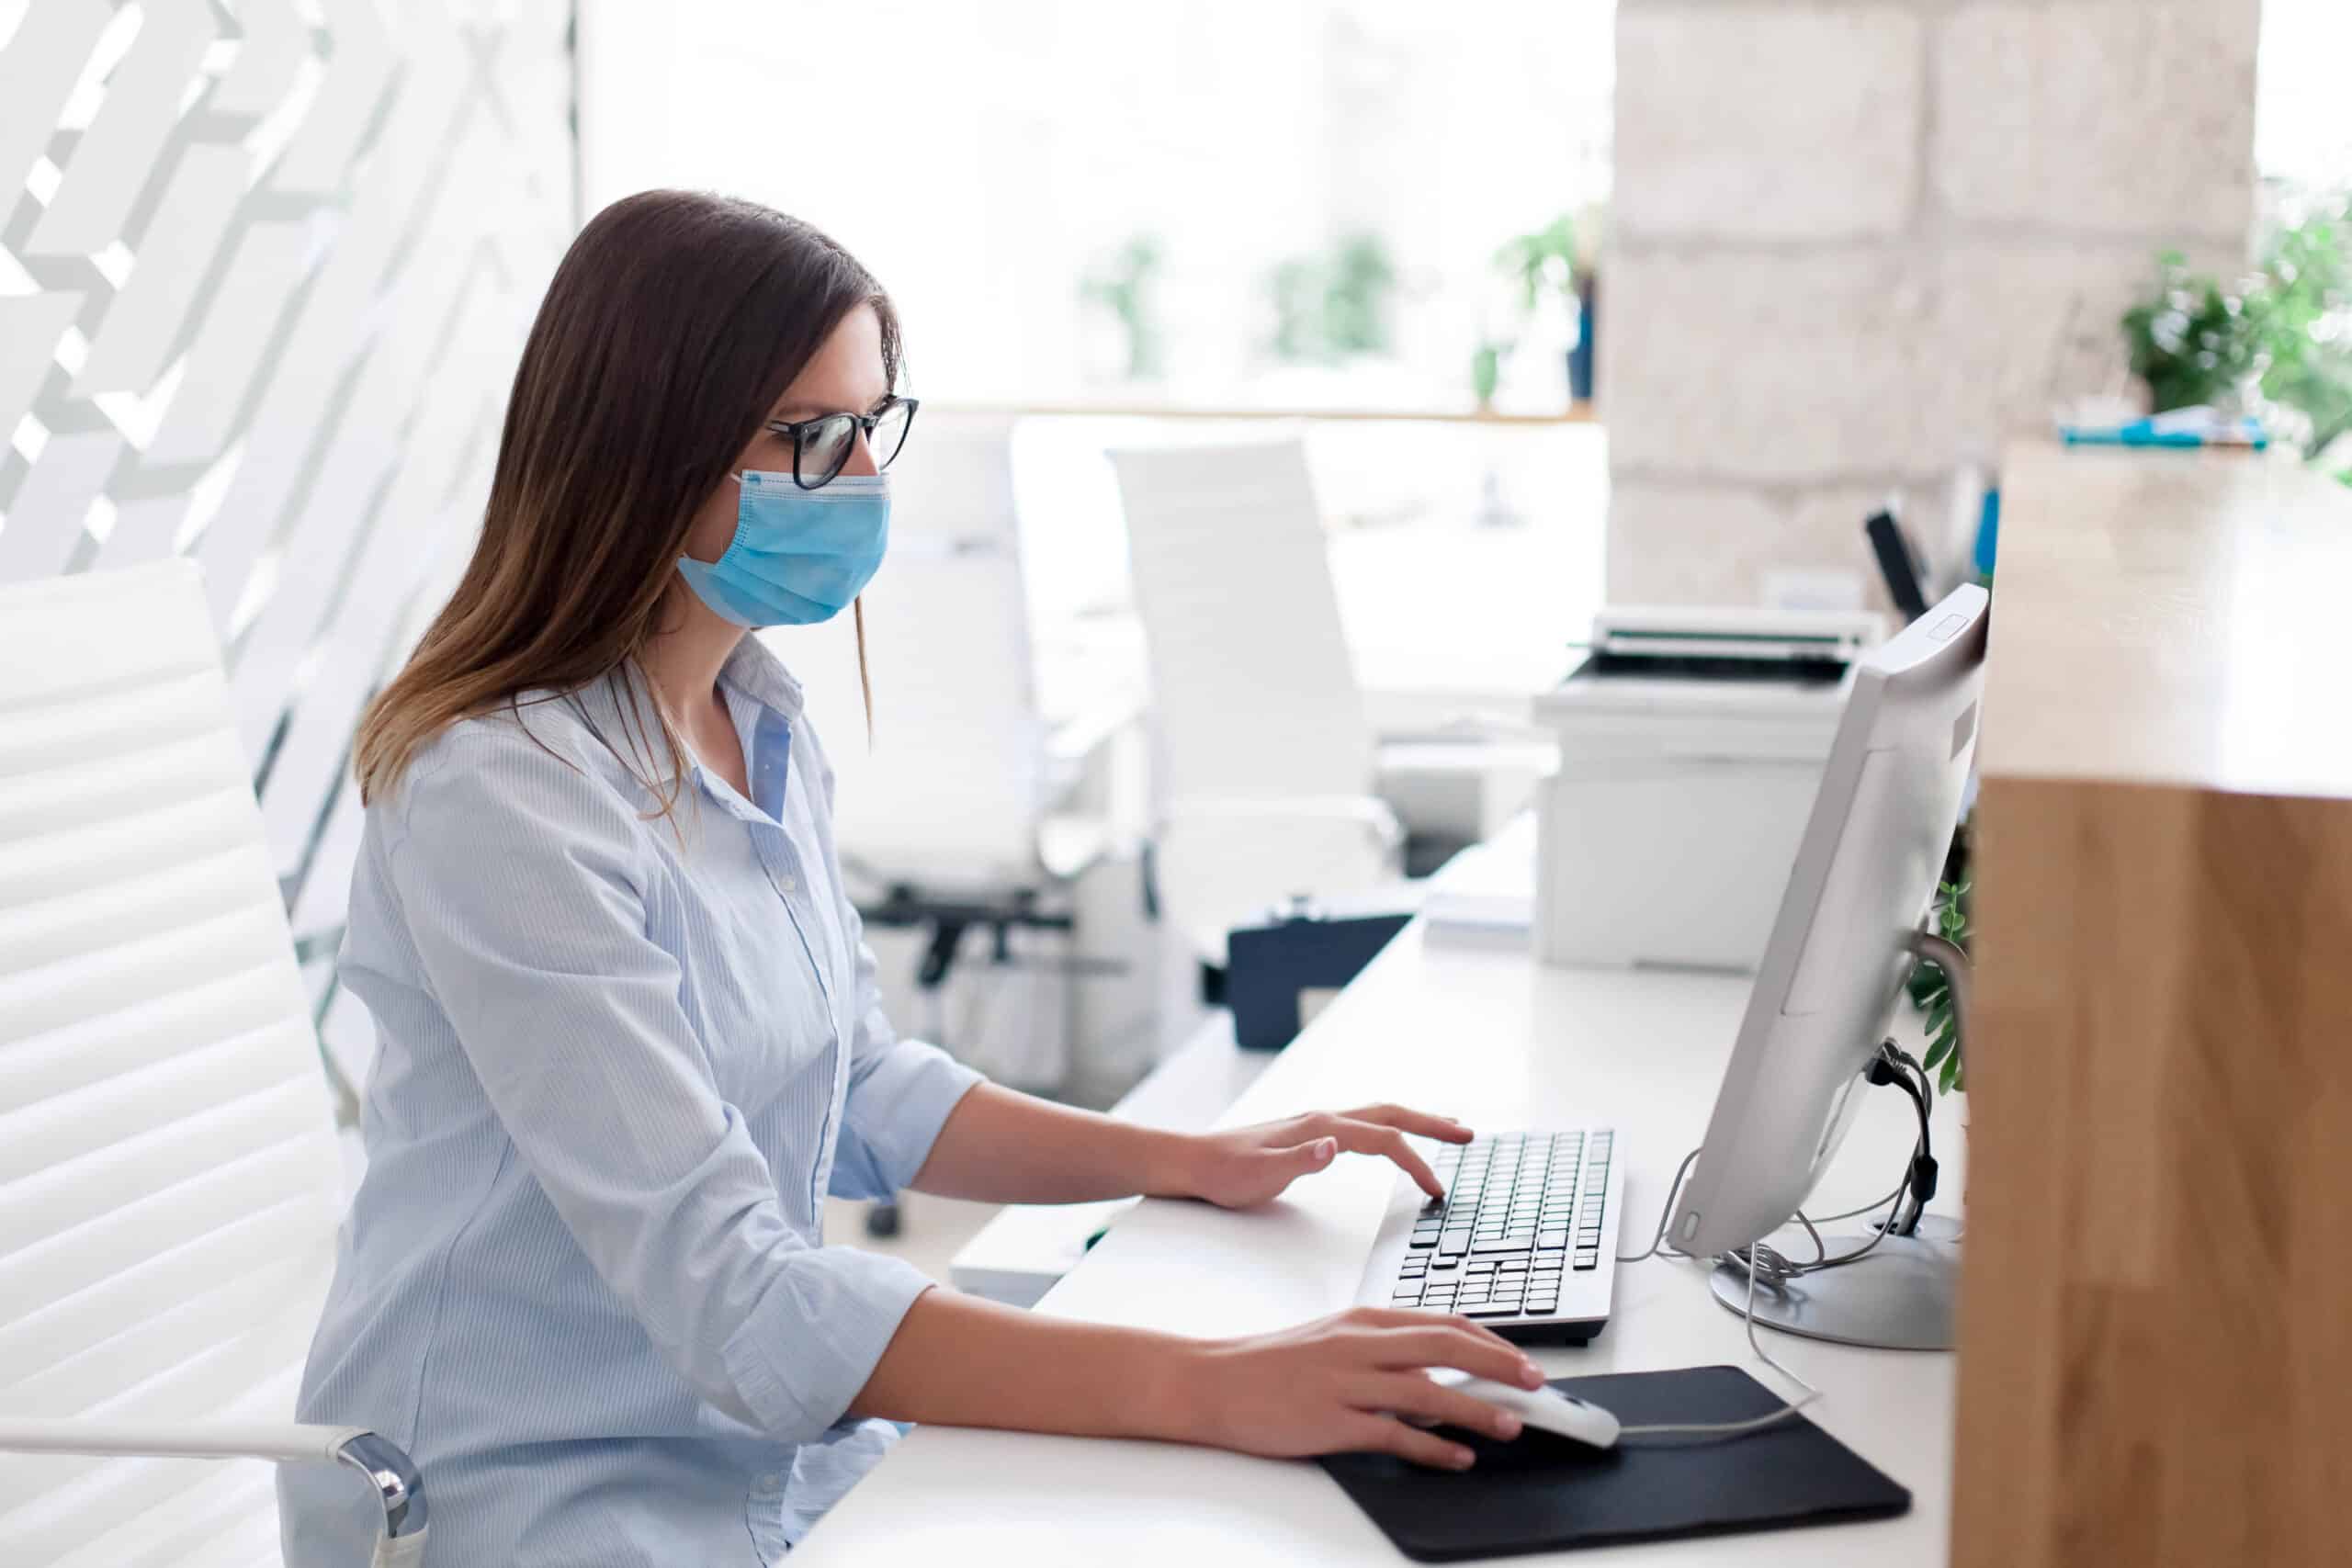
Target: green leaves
[
  {"x": 1123, "y": 285},
  {"x": 2192, "y": 343},
  {"x": 2281, "y": 335},
  {"x": 1328, "y": 308},
  {"x": 1544, "y": 260},
  {"x": 1930, "y": 992}
]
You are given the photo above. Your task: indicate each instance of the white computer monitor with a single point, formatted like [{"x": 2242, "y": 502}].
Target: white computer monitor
[{"x": 1840, "y": 950}]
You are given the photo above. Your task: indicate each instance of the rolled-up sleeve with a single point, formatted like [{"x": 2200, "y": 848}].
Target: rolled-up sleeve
[{"x": 523, "y": 880}]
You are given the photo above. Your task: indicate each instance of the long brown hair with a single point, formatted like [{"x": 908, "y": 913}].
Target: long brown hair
[{"x": 674, "y": 322}]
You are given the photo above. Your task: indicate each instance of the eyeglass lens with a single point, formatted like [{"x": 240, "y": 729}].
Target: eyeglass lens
[
  {"x": 826, "y": 444},
  {"x": 825, "y": 447},
  {"x": 890, "y": 433}
]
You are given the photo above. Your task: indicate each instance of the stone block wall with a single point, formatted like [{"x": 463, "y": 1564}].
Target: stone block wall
[{"x": 1857, "y": 243}]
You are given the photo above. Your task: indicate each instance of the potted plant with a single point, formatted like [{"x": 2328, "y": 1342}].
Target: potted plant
[
  {"x": 2278, "y": 340},
  {"x": 1122, "y": 285},
  {"x": 1560, "y": 260},
  {"x": 1930, "y": 990},
  {"x": 1333, "y": 307}
]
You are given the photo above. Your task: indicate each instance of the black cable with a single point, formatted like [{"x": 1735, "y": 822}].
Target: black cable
[{"x": 1896, "y": 1067}]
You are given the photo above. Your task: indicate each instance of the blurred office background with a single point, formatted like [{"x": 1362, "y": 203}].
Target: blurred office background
[{"x": 265, "y": 266}]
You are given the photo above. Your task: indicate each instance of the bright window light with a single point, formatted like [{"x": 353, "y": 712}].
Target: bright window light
[{"x": 1031, "y": 178}]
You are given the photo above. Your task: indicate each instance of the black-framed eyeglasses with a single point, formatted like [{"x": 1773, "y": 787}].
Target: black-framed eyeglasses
[{"x": 820, "y": 447}]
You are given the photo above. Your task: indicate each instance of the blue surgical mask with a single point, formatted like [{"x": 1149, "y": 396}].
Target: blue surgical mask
[{"x": 800, "y": 556}]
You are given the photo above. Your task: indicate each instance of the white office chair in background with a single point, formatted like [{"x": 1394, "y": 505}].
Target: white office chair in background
[
  {"x": 953, "y": 789},
  {"x": 945, "y": 821},
  {"x": 170, "y": 1186},
  {"x": 1262, "y": 759}
]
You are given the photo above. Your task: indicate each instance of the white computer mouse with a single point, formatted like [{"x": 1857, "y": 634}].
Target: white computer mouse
[{"x": 1547, "y": 1408}]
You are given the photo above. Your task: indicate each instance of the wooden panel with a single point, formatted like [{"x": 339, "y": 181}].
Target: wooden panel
[
  {"x": 2156, "y": 1318},
  {"x": 2170, "y": 618}
]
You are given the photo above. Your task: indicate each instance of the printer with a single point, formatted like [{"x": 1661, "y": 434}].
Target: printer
[{"x": 1691, "y": 743}]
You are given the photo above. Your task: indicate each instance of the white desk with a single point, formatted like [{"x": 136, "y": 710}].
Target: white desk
[
  {"x": 1028, "y": 1248},
  {"x": 1500, "y": 1040}
]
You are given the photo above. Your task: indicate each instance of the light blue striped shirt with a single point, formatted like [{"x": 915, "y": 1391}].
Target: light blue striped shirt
[{"x": 583, "y": 1280}]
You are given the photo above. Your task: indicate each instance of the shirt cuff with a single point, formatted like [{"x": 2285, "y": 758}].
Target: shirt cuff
[
  {"x": 895, "y": 1111},
  {"x": 816, "y": 1335}
]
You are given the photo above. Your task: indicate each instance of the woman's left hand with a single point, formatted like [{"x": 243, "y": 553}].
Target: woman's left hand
[{"x": 1253, "y": 1165}]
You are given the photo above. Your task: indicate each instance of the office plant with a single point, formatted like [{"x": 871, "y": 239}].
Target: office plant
[
  {"x": 1559, "y": 261},
  {"x": 1541, "y": 262},
  {"x": 1487, "y": 370},
  {"x": 1930, "y": 992},
  {"x": 1121, "y": 284},
  {"x": 1334, "y": 307},
  {"x": 2279, "y": 339}
]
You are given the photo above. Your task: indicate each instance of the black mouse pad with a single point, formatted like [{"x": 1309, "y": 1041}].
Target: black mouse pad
[{"x": 1545, "y": 1493}]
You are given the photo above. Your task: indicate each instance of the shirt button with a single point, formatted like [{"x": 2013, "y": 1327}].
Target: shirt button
[
  {"x": 787, "y": 883},
  {"x": 769, "y": 1481}
]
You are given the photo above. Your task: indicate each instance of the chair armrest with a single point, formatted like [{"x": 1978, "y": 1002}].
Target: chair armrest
[{"x": 398, "y": 1486}]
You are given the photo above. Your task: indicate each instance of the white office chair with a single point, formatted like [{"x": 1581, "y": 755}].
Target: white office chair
[
  {"x": 949, "y": 813},
  {"x": 1262, "y": 759},
  {"x": 169, "y": 1183},
  {"x": 955, "y": 785}
]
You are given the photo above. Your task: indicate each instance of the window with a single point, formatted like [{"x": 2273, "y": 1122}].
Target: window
[
  {"x": 2302, "y": 135},
  {"x": 1223, "y": 203}
]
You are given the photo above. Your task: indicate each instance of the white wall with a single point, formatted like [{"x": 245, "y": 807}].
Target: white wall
[{"x": 265, "y": 269}]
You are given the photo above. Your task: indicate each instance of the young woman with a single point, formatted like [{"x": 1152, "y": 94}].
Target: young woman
[{"x": 630, "y": 1036}]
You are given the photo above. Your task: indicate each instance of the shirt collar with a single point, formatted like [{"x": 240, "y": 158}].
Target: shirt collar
[
  {"x": 752, "y": 671},
  {"x": 755, "y": 671}
]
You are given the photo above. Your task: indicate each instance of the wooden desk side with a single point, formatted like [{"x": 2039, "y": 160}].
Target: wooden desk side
[
  {"x": 2157, "y": 1310},
  {"x": 2170, "y": 618}
]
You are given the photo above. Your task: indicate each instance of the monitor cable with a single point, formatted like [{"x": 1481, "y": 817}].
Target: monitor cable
[
  {"x": 1733, "y": 1429},
  {"x": 1894, "y": 1066}
]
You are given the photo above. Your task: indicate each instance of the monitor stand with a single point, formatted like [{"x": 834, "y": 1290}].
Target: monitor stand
[{"x": 1900, "y": 1295}]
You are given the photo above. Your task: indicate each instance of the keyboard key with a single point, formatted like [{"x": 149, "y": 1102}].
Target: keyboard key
[
  {"x": 1522, "y": 1209},
  {"x": 1492, "y": 1310}
]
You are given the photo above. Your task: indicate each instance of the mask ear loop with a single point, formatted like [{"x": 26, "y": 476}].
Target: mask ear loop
[{"x": 865, "y": 677}]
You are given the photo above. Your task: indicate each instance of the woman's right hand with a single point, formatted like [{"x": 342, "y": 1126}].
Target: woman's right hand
[{"x": 1343, "y": 1384}]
